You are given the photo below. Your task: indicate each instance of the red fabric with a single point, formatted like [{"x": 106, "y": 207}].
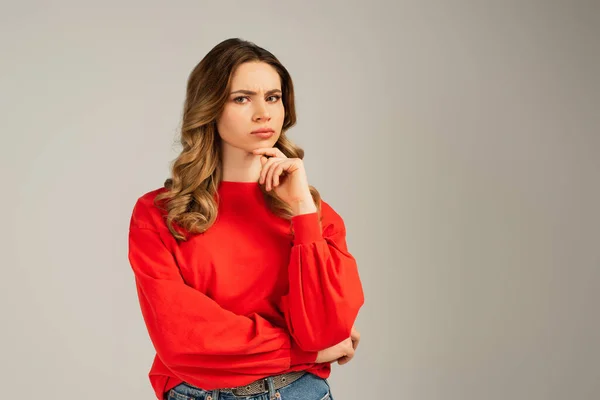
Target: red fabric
[{"x": 247, "y": 298}]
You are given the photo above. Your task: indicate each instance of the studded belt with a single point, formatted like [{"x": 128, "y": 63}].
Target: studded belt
[{"x": 260, "y": 386}]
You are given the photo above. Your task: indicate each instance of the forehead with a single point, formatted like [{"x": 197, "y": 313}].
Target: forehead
[{"x": 255, "y": 76}]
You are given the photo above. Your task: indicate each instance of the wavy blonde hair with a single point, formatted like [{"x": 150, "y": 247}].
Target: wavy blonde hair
[{"x": 190, "y": 199}]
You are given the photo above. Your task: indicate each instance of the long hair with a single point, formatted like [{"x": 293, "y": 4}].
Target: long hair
[{"x": 190, "y": 199}]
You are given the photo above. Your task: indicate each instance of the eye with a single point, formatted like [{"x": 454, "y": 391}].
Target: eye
[{"x": 237, "y": 98}]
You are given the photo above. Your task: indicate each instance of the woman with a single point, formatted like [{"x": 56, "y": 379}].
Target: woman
[{"x": 244, "y": 278}]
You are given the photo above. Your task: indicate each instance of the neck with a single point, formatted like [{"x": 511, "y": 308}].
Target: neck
[{"x": 239, "y": 165}]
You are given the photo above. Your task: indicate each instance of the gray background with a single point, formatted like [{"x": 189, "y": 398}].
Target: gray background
[{"x": 459, "y": 141}]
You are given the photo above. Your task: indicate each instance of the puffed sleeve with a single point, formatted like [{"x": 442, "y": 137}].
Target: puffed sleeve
[{"x": 325, "y": 291}]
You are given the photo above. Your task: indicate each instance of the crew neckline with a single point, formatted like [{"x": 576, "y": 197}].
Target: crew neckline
[
  {"x": 238, "y": 187},
  {"x": 240, "y": 183}
]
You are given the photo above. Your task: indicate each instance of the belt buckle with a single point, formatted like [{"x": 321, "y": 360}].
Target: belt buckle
[{"x": 265, "y": 385}]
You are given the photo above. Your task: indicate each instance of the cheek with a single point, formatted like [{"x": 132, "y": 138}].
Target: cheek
[
  {"x": 229, "y": 122},
  {"x": 278, "y": 114}
]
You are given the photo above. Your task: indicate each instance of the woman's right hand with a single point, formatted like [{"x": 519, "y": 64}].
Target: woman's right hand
[{"x": 342, "y": 349}]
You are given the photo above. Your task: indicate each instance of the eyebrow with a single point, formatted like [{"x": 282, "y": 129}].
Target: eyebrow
[{"x": 249, "y": 92}]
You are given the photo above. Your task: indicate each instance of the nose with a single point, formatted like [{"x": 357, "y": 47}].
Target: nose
[{"x": 261, "y": 113}]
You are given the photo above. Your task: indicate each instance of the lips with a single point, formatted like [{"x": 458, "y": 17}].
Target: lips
[
  {"x": 263, "y": 133},
  {"x": 262, "y": 130}
]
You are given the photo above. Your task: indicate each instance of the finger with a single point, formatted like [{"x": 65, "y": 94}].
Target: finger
[
  {"x": 355, "y": 341},
  {"x": 270, "y": 151},
  {"x": 265, "y": 169},
  {"x": 276, "y": 175},
  {"x": 344, "y": 360},
  {"x": 263, "y": 161},
  {"x": 355, "y": 335},
  {"x": 271, "y": 172},
  {"x": 349, "y": 352}
]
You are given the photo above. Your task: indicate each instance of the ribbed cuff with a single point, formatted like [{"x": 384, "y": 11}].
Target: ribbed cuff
[
  {"x": 299, "y": 356},
  {"x": 307, "y": 228}
]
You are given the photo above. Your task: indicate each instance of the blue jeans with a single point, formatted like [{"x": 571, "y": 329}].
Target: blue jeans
[{"x": 308, "y": 387}]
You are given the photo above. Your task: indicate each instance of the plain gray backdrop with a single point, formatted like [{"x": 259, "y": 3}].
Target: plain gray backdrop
[{"x": 459, "y": 141}]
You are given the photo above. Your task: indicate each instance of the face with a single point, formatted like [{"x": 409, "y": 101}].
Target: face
[{"x": 254, "y": 103}]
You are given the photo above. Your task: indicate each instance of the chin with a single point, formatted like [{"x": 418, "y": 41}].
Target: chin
[{"x": 270, "y": 142}]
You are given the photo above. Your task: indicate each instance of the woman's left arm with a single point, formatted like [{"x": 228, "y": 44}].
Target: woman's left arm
[{"x": 325, "y": 291}]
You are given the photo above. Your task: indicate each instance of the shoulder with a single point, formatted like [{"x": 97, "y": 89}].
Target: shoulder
[
  {"x": 148, "y": 198},
  {"x": 146, "y": 214}
]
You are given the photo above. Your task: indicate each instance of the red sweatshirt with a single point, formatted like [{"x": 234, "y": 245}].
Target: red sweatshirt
[{"x": 247, "y": 298}]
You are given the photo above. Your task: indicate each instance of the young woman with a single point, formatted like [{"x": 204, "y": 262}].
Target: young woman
[{"x": 244, "y": 278}]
